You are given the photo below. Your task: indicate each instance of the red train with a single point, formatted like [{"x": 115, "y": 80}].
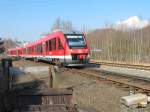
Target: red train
[{"x": 68, "y": 49}]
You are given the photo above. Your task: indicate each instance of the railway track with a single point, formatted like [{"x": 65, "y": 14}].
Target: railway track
[
  {"x": 125, "y": 65},
  {"x": 126, "y": 81},
  {"x": 130, "y": 83}
]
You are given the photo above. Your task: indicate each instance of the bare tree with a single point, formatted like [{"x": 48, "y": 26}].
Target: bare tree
[
  {"x": 62, "y": 25},
  {"x": 57, "y": 24},
  {"x": 132, "y": 46}
]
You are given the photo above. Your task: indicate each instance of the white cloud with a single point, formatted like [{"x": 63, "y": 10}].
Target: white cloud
[{"x": 132, "y": 22}]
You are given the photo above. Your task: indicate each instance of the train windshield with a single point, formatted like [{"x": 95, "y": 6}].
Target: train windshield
[{"x": 76, "y": 41}]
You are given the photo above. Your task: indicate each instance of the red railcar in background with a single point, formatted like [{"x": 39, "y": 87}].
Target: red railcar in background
[{"x": 69, "y": 49}]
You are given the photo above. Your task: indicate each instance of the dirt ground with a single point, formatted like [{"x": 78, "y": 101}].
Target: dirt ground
[
  {"x": 89, "y": 94},
  {"x": 27, "y": 63}
]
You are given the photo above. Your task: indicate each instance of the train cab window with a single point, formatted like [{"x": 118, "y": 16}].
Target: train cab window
[
  {"x": 59, "y": 44},
  {"x": 76, "y": 41}
]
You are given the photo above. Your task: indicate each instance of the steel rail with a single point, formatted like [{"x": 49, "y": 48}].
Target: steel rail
[
  {"x": 126, "y": 65},
  {"x": 120, "y": 79}
]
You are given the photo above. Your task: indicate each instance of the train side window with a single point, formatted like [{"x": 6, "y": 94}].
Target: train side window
[
  {"x": 52, "y": 44},
  {"x": 39, "y": 48},
  {"x": 36, "y": 49},
  {"x": 32, "y": 49},
  {"x": 59, "y": 44},
  {"x": 47, "y": 45},
  {"x": 27, "y": 50}
]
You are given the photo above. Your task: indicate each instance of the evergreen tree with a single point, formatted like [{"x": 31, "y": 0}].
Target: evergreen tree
[{"x": 2, "y": 49}]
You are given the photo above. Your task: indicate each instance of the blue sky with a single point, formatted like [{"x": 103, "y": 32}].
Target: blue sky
[{"x": 28, "y": 19}]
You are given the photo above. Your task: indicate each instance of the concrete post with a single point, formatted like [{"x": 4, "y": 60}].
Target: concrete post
[{"x": 134, "y": 103}]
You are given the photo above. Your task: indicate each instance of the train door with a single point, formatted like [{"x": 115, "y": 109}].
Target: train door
[
  {"x": 61, "y": 51},
  {"x": 44, "y": 48},
  {"x": 51, "y": 49}
]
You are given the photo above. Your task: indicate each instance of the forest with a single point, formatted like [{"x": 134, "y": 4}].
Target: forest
[{"x": 129, "y": 45}]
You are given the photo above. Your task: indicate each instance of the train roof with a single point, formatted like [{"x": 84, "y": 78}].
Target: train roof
[
  {"x": 68, "y": 32},
  {"x": 52, "y": 35},
  {"x": 47, "y": 37},
  {"x": 17, "y": 48}
]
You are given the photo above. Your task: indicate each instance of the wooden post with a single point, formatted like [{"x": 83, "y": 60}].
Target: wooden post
[
  {"x": 6, "y": 63},
  {"x": 50, "y": 76}
]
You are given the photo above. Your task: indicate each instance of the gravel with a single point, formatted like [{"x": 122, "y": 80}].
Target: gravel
[{"x": 127, "y": 71}]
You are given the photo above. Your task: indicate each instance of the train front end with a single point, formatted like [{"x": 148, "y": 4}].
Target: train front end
[{"x": 78, "y": 51}]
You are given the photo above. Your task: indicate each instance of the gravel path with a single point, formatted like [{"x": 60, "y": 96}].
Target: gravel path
[{"x": 126, "y": 71}]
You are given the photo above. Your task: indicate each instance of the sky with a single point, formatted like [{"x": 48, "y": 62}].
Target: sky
[{"x": 28, "y": 19}]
